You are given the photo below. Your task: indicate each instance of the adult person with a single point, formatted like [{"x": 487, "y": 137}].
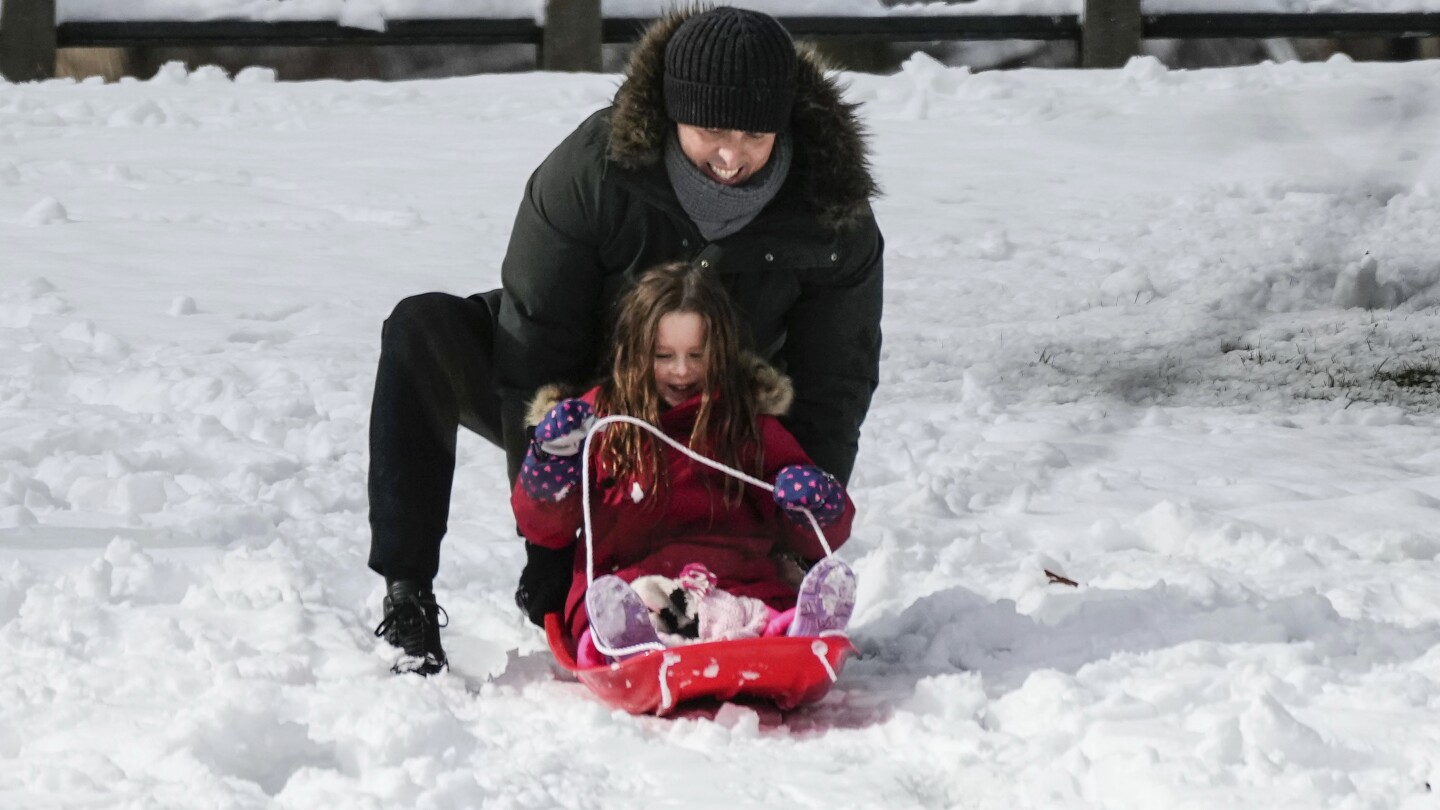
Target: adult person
[{"x": 724, "y": 146}]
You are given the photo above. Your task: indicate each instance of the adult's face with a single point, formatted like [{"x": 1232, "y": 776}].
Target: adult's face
[{"x": 728, "y": 156}]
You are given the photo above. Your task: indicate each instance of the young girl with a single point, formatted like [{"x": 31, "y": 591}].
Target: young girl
[{"x": 704, "y": 551}]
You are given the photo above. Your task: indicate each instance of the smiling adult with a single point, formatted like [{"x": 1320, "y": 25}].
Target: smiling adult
[{"x": 726, "y": 147}]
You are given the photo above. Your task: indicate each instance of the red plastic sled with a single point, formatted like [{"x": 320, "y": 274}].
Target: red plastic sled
[{"x": 788, "y": 671}]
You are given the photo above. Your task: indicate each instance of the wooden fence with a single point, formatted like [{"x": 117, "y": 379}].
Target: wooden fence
[{"x": 1109, "y": 32}]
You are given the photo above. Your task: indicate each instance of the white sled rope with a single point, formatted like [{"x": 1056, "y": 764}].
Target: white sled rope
[{"x": 593, "y": 430}]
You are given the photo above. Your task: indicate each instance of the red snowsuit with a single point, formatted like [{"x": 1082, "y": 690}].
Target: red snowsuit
[{"x": 635, "y": 537}]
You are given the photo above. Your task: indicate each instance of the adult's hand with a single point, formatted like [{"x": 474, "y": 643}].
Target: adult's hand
[{"x": 545, "y": 581}]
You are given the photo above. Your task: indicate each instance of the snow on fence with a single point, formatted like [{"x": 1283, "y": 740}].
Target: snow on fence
[{"x": 569, "y": 33}]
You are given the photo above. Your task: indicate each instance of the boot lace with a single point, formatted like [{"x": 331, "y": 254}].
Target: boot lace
[{"x": 413, "y": 624}]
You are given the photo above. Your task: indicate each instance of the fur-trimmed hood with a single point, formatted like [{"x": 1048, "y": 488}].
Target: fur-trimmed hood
[
  {"x": 831, "y": 164},
  {"x": 773, "y": 390}
]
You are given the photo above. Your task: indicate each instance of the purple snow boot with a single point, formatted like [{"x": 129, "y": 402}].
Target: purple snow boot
[
  {"x": 619, "y": 621},
  {"x": 826, "y": 599}
]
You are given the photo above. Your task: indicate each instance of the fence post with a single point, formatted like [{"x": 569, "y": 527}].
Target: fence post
[
  {"x": 571, "y": 41},
  {"x": 27, "y": 40},
  {"x": 1109, "y": 33}
]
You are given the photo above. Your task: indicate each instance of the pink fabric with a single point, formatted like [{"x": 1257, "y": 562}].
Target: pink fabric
[
  {"x": 775, "y": 623},
  {"x": 697, "y": 579},
  {"x": 780, "y": 623},
  {"x": 724, "y": 624},
  {"x": 724, "y": 616},
  {"x": 718, "y": 614},
  {"x": 585, "y": 653}
]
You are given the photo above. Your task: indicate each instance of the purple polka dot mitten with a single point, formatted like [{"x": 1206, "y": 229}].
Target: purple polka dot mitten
[
  {"x": 562, "y": 431},
  {"x": 804, "y": 486},
  {"x": 551, "y": 478},
  {"x": 551, "y": 470}
]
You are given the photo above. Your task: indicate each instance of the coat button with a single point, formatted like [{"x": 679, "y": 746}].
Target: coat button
[
  {"x": 834, "y": 257},
  {"x": 684, "y": 243},
  {"x": 705, "y": 264},
  {"x": 769, "y": 257}
]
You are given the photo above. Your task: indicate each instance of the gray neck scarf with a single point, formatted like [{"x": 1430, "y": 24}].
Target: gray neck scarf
[{"x": 717, "y": 210}]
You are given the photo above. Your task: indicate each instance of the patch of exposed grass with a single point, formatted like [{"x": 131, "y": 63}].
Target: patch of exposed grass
[{"x": 1424, "y": 376}]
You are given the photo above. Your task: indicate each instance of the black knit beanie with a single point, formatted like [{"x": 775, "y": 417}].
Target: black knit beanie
[{"x": 729, "y": 68}]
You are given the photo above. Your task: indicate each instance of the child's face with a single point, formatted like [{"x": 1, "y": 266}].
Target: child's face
[{"x": 680, "y": 356}]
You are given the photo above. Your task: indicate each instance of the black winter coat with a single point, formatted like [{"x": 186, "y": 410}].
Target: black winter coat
[{"x": 805, "y": 274}]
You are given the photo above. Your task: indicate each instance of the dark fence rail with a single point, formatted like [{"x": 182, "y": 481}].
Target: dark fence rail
[
  {"x": 1109, "y": 34},
  {"x": 527, "y": 31},
  {"x": 900, "y": 29},
  {"x": 296, "y": 33},
  {"x": 1336, "y": 25},
  {"x": 1329, "y": 25}
]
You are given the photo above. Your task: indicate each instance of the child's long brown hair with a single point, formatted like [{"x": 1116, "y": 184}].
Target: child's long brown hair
[{"x": 728, "y": 403}]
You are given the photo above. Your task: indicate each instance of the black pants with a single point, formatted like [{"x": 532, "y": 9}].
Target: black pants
[{"x": 436, "y": 373}]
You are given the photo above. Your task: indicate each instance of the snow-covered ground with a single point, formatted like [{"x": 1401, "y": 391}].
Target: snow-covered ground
[{"x": 1122, "y": 343}]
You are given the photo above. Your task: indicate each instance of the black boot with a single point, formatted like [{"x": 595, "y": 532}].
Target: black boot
[{"x": 412, "y": 623}]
